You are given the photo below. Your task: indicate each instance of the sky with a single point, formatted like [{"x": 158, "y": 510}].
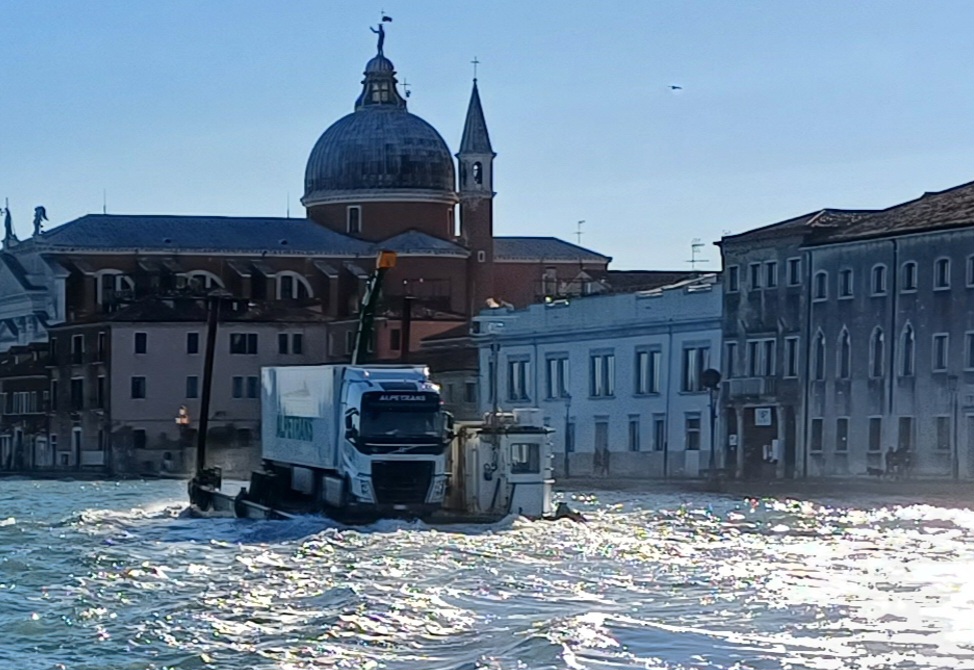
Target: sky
[{"x": 211, "y": 107}]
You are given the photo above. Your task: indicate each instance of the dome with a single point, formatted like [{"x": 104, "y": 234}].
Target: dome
[{"x": 379, "y": 147}]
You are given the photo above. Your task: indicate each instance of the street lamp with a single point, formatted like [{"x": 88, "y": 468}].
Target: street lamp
[{"x": 710, "y": 380}]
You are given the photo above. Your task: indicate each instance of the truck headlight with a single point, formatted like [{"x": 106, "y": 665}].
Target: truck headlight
[
  {"x": 438, "y": 489},
  {"x": 363, "y": 490}
]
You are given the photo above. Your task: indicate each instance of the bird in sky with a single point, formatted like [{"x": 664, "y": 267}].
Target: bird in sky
[{"x": 674, "y": 87}]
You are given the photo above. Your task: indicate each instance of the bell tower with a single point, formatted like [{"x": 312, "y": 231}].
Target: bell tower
[{"x": 476, "y": 167}]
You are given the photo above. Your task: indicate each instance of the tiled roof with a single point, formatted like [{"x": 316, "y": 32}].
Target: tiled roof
[
  {"x": 201, "y": 233},
  {"x": 543, "y": 248},
  {"x": 951, "y": 208},
  {"x": 799, "y": 225},
  {"x": 629, "y": 281},
  {"x": 416, "y": 242}
]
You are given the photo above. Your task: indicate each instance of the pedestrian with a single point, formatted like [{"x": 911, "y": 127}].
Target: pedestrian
[{"x": 890, "y": 461}]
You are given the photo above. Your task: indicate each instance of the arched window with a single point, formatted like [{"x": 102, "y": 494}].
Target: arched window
[
  {"x": 292, "y": 286},
  {"x": 845, "y": 355},
  {"x": 478, "y": 173},
  {"x": 879, "y": 279},
  {"x": 908, "y": 357},
  {"x": 203, "y": 280},
  {"x": 877, "y": 351},
  {"x": 909, "y": 276},
  {"x": 941, "y": 273},
  {"x": 819, "y": 356},
  {"x": 111, "y": 285}
]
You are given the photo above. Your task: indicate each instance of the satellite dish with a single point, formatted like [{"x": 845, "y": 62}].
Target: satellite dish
[{"x": 710, "y": 378}]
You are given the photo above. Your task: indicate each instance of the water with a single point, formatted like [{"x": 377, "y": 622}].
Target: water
[{"x": 107, "y": 576}]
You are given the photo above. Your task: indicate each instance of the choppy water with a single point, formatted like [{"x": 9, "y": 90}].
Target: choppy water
[{"x": 106, "y": 576}]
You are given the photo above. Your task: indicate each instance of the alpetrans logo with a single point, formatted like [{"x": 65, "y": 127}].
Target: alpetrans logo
[
  {"x": 403, "y": 397},
  {"x": 295, "y": 428}
]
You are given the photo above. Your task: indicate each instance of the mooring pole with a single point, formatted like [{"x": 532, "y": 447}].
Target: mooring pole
[{"x": 212, "y": 317}]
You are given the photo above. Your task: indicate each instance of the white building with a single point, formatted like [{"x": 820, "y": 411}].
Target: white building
[{"x": 616, "y": 374}]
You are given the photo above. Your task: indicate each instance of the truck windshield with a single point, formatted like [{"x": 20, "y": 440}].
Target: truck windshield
[{"x": 401, "y": 415}]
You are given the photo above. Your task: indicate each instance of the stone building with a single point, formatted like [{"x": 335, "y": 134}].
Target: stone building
[
  {"x": 23, "y": 409},
  {"x": 379, "y": 178},
  {"x": 617, "y": 376}
]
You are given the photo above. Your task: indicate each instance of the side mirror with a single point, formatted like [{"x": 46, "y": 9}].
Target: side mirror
[
  {"x": 348, "y": 422},
  {"x": 448, "y": 425}
]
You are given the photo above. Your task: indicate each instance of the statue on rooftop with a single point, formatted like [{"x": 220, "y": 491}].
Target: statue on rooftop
[
  {"x": 40, "y": 214},
  {"x": 381, "y": 32}
]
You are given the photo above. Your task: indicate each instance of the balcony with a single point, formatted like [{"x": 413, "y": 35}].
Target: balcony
[{"x": 750, "y": 387}]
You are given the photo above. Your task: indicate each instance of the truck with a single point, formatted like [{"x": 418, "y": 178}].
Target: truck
[{"x": 360, "y": 440}]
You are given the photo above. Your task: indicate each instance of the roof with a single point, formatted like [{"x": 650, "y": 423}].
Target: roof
[
  {"x": 226, "y": 234},
  {"x": 155, "y": 309},
  {"x": 417, "y": 242},
  {"x": 799, "y": 225},
  {"x": 543, "y": 249},
  {"x": 627, "y": 281},
  {"x": 475, "y": 138},
  {"x": 937, "y": 210},
  {"x": 18, "y": 271}
]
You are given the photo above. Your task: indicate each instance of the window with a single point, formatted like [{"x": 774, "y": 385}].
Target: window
[
  {"x": 395, "y": 339},
  {"x": 349, "y": 341},
  {"x": 478, "y": 173},
  {"x": 648, "y": 371},
  {"x": 755, "y": 269},
  {"x": 282, "y": 343},
  {"x": 138, "y": 387},
  {"x": 100, "y": 392},
  {"x": 243, "y": 343},
  {"x": 875, "y": 434},
  {"x": 634, "y": 433},
  {"x": 292, "y": 286},
  {"x": 794, "y": 271},
  {"x": 141, "y": 342},
  {"x": 192, "y": 386},
  {"x": 968, "y": 351},
  {"x": 791, "y": 357},
  {"x": 842, "y": 434},
  {"x": 733, "y": 279},
  {"x": 905, "y": 440},
  {"x": 556, "y": 377},
  {"x": 237, "y": 384},
  {"x": 204, "y": 281},
  {"x": 943, "y": 433},
  {"x": 970, "y": 270},
  {"x": 909, "y": 276},
  {"x": 102, "y": 345},
  {"x": 879, "y": 280},
  {"x": 77, "y": 439},
  {"x": 659, "y": 432},
  {"x": 940, "y": 349},
  {"x": 602, "y": 375},
  {"x": 138, "y": 438},
  {"x": 816, "y": 439},
  {"x": 253, "y": 387},
  {"x": 517, "y": 380},
  {"x": 54, "y": 403},
  {"x": 695, "y": 360},
  {"x": 761, "y": 358},
  {"x": 908, "y": 356},
  {"x": 114, "y": 286},
  {"x": 525, "y": 458},
  {"x": 77, "y": 349},
  {"x": 845, "y": 355},
  {"x": 819, "y": 356},
  {"x": 877, "y": 353},
  {"x": 941, "y": 274},
  {"x": 693, "y": 431},
  {"x": 354, "y": 223},
  {"x": 77, "y": 393},
  {"x": 845, "y": 283},
  {"x": 730, "y": 360},
  {"x": 297, "y": 343},
  {"x": 481, "y": 256},
  {"x": 771, "y": 274},
  {"x": 52, "y": 350},
  {"x": 821, "y": 285},
  {"x": 192, "y": 343},
  {"x": 470, "y": 392}
]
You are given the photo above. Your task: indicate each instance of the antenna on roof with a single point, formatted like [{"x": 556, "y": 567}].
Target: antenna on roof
[
  {"x": 695, "y": 246},
  {"x": 578, "y": 232},
  {"x": 287, "y": 210},
  {"x": 104, "y": 201}
]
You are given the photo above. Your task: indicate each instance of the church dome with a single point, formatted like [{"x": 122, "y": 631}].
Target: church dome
[{"x": 380, "y": 150}]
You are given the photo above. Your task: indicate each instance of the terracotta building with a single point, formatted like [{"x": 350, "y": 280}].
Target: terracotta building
[{"x": 379, "y": 178}]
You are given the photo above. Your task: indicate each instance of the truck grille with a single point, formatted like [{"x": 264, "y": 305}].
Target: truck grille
[{"x": 401, "y": 482}]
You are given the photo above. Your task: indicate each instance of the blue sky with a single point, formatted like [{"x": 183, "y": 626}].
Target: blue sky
[{"x": 211, "y": 107}]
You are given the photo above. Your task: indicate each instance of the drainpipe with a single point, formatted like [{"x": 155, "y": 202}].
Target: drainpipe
[
  {"x": 669, "y": 383},
  {"x": 807, "y": 367},
  {"x": 894, "y": 294}
]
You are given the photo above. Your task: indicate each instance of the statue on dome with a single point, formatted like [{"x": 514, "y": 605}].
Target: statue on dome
[
  {"x": 381, "y": 32},
  {"x": 40, "y": 215}
]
